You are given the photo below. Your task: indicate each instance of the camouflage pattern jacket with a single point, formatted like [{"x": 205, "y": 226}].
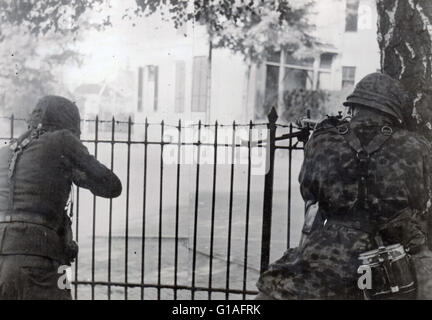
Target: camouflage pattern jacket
[
  {"x": 398, "y": 178},
  {"x": 398, "y": 172}
]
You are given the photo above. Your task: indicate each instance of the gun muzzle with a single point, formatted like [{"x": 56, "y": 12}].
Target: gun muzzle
[{"x": 306, "y": 122}]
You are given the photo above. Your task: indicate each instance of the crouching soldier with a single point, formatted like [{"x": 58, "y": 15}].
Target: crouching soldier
[
  {"x": 36, "y": 175},
  {"x": 369, "y": 181}
]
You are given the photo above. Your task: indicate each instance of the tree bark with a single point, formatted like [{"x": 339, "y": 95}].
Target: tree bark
[{"x": 405, "y": 42}]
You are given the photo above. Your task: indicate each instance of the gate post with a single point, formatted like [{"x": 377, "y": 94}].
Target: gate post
[{"x": 268, "y": 190}]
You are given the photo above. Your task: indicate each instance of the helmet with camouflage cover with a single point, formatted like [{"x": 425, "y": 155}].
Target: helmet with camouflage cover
[{"x": 381, "y": 92}]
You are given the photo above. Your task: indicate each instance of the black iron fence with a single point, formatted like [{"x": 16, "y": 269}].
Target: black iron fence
[{"x": 194, "y": 220}]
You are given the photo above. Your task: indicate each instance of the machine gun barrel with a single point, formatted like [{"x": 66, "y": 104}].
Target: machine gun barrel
[
  {"x": 308, "y": 123},
  {"x": 302, "y": 135},
  {"x": 305, "y": 126}
]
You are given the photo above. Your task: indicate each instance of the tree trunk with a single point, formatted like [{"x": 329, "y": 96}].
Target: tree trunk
[{"x": 405, "y": 41}]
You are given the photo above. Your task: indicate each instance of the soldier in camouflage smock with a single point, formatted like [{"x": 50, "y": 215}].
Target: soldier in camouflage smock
[{"x": 388, "y": 198}]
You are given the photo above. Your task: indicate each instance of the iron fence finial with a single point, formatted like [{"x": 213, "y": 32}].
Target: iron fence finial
[{"x": 273, "y": 115}]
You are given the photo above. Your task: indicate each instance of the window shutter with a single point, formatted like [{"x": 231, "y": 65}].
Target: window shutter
[
  {"x": 180, "y": 78},
  {"x": 156, "y": 87},
  {"x": 199, "y": 84},
  {"x": 140, "y": 89}
]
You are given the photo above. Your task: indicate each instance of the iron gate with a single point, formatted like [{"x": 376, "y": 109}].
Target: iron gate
[{"x": 191, "y": 223}]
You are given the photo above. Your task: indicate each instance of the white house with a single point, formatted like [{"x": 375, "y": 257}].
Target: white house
[{"x": 173, "y": 79}]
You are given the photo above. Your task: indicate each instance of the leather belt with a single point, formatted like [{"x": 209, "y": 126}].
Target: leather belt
[
  {"x": 363, "y": 221},
  {"x": 26, "y": 217},
  {"x": 361, "y": 225}
]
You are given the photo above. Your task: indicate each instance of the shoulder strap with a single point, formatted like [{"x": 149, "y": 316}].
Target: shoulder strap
[
  {"x": 363, "y": 155},
  {"x": 17, "y": 148},
  {"x": 351, "y": 139},
  {"x": 374, "y": 145}
]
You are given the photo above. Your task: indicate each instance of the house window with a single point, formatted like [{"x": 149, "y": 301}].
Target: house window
[
  {"x": 348, "y": 76},
  {"x": 324, "y": 74},
  {"x": 281, "y": 73},
  {"x": 180, "y": 78},
  {"x": 326, "y": 61},
  {"x": 351, "y": 15},
  {"x": 199, "y": 84}
]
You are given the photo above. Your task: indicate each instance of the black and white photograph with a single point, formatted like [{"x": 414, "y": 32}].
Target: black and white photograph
[{"x": 232, "y": 150}]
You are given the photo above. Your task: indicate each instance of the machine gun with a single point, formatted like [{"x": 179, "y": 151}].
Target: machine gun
[
  {"x": 305, "y": 126},
  {"x": 302, "y": 136},
  {"x": 311, "y": 124}
]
